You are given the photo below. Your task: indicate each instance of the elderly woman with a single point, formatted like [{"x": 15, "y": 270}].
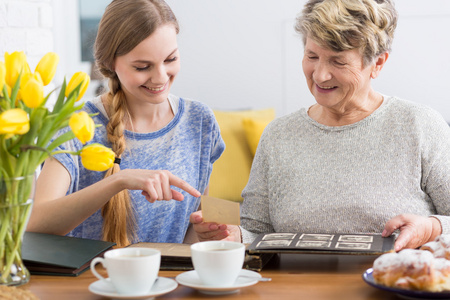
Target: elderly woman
[{"x": 357, "y": 161}]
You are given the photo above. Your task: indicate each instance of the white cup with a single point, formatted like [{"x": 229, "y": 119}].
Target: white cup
[
  {"x": 218, "y": 263},
  {"x": 131, "y": 271}
]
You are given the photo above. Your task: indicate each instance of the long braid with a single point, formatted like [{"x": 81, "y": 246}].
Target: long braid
[
  {"x": 123, "y": 26},
  {"x": 119, "y": 223}
]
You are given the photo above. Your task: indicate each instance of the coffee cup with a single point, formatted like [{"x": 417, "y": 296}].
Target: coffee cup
[
  {"x": 131, "y": 271},
  {"x": 218, "y": 263}
]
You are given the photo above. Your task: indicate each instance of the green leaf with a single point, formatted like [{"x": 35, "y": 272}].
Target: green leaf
[
  {"x": 7, "y": 103},
  {"x": 46, "y": 98},
  {"x": 15, "y": 91},
  {"x": 36, "y": 119},
  {"x": 67, "y": 136},
  {"x": 7, "y": 160},
  {"x": 60, "y": 101},
  {"x": 68, "y": 109},
  {"x": 47, "y": 131}
]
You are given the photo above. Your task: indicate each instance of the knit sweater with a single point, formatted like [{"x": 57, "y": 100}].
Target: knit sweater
[{"x": 309, "y": 177}]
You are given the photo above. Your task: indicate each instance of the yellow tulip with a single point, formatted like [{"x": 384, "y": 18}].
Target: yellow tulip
[
  {"x": 32, "y": 93},
  {"x": 24, "y": 80},
  {"x": 15, "y": 63},
  {"x": 2, "y": 76},
  {"x": 28, "y": 76},
  {"x": 77, "y": 79},
  {"x": 82, "y": 126},
  {"x": 97, "y": 157},
  {"x": 47, "y": 67},
  {"x": 14, "y": 121}
]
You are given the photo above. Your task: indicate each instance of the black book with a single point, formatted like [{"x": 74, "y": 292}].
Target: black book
[{"x": 47, "y": 254}]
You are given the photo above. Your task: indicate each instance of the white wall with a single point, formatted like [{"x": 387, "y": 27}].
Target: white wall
[
  {"x": 26, "y": 25},
  {"x": 245, "y": 54},
  {"x": 419, "y": 67},
  {"x": 242, "y": 53},
  {"x": 235, "y": 53}
]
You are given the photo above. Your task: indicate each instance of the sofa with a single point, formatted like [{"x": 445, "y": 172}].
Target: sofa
[{"x": 241, "y": 131}]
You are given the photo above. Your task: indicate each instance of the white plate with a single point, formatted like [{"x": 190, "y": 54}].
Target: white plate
[
  {"x": 162, "y": 286},
  {"x": 192, "y": 280}
]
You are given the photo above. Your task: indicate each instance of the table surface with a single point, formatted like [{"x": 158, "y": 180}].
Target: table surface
[{"x": 294, "y": 276}]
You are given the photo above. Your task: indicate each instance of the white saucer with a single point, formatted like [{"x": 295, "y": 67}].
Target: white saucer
[
  {"x": 192, "y": 280},
  {"x": 162, "y": 286}
]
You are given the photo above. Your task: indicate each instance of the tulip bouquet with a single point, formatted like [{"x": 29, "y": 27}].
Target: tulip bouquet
[{"x": 27, "y": 137}]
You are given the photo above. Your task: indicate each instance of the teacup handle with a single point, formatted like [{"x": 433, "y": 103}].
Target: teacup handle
[{"x": 94, "y": 271}]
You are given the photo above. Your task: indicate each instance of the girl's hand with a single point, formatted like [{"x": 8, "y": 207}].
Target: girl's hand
[{"x": 155, "y": 184}]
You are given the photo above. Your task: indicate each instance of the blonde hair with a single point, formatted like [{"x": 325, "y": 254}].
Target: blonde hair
[
  {"x": 123, "y": 26},
  {"x": 341, "y": 25}
]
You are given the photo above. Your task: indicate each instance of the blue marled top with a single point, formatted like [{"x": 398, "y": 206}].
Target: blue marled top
[{"x": 187, "y": 147}]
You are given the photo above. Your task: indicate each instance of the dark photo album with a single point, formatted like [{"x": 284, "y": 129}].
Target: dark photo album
[{"x": 322, "y": 243}]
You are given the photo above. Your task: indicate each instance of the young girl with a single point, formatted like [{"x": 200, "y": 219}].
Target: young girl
[{"x": 160, "y": 140}]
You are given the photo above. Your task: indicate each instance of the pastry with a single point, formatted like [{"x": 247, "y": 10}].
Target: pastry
[
  {"x": 440, "y": 247},
  {"x": 412, "y": 269},
  {"x": 14, "y": 293}
]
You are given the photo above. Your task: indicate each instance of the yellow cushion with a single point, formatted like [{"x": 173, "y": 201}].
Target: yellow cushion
[
  {"x": 231, "y": 171},
  {"x": 253, "y": 129}
]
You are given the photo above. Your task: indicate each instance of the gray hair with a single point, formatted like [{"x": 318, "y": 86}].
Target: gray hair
[{"x": 367, "y": 25}]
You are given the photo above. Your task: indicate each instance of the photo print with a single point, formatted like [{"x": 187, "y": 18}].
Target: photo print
[{"x": 278, "y": 236}]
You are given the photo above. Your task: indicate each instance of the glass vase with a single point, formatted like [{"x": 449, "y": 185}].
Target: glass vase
[{"x": 16, "y": 200}]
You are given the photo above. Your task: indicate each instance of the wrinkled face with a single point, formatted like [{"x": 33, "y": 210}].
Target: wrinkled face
[
  {"x": 147, "y": 72},
  {"x": 337, "y": 80}
]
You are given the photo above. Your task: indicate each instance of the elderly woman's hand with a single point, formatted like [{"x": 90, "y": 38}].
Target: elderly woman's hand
[
  {"x": 414, "y": 230},
  {"x": 213, "y": 231}
]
